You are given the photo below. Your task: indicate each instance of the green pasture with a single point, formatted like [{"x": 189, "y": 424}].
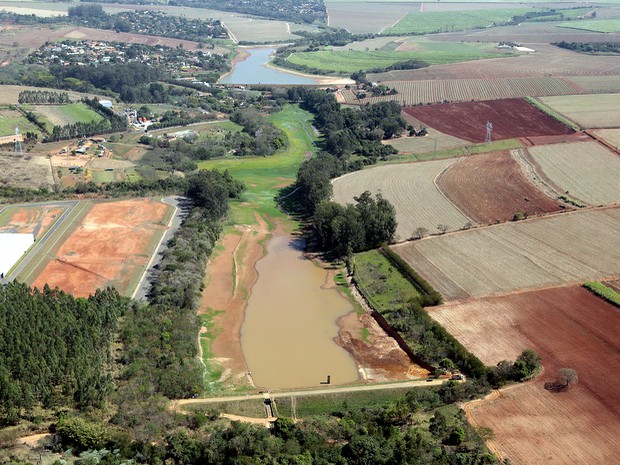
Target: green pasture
[
  {"x": 265, "y": 176},
  {"x": 594, "y": 25},
  {"x": 9, "y": 123},
  {"x": 604, "y": 292},
  {"x": 434, "y": 53},
  {"x": 447, "y": 21},
  {"x": 381, "y": 282},
  {"x": 79, "y": 112}
]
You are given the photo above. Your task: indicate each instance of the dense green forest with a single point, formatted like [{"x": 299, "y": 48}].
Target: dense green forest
[
  {"x": 55, "y": 349},
  {"x": 603, "y": 48}
]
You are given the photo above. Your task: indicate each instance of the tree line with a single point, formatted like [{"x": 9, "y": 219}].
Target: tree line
[
  {"x": 604, "y": 48},
  {"x": 43, "y": 97}
]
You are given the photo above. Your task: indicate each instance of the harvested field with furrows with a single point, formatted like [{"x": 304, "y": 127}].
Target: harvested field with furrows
[
  {"x": 110, "y": 247},
  {"x": 491, "y": 188},
  {"x": 510, "y": 118},
  {"x": 559, "y": 249},
  {"x": 411, "y": 189},
  {"x": 546, "y": 61},
  {"x": 596, "y": 84},
  {"x": 588, "y": 111},
  {"x": 529, "y": 34},
  {"x": 611, "y": 136},
  {"x": 587, "y": 171},
  {"x": 461, "y": 90},
  {"x": 570, "y": 328},
  {"x": 363, "y": 17},
  {"x": 613, "y": 284}
]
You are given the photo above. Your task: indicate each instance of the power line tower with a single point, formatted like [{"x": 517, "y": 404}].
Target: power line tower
[
  {"x": 18, "y": 142},
  {"x": 487, "y": 139}
]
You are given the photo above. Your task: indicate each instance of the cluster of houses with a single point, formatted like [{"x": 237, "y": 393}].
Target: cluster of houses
[{"x": 96, "y": 52}]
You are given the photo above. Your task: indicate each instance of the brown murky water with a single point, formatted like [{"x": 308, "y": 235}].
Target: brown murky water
[{"x": 290, "y": 323}]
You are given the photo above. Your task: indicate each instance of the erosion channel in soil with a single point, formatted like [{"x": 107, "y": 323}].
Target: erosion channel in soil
[{"x": 290, "y": 322}]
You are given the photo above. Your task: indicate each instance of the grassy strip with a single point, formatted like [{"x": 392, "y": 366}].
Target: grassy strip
[
  {"x": 474, "y": 149},
  {"x": 383, "y": 285},
  {"x": 594, "y": 25},
  {"x": 430, "y": 296},
  {"x": 554, "y": 114},
  {"x": 604, "y": 292}
]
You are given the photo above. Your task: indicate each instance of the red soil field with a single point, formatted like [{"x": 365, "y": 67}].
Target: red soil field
[
  {"x": 570, "y": 328},
  {"x": 491, "y": 187},
  {"x": 111, "y": 247},
  {"x": 34, "y": 220},
  {"x": 511, "y": 118}
]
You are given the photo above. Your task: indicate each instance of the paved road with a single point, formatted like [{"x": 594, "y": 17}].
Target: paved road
[
  {"x": 178, "y": 404},
  {"x": 181, "y": 205},
  {"x": 69, "y": 206}
]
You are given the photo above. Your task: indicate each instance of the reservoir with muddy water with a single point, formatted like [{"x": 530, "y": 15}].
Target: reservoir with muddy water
[{"x": 290, "y": 322}]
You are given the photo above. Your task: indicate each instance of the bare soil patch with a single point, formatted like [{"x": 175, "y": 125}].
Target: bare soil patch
[
  {"x": 30, "y": 171},
  {"x": 492, "y": 188},
  {"x": 31, "y": 220},
  {"x": 511, "y": 118},
  {"x": 570, "y": 328},
  {"x": 553, "y": 250},
  {"x": 110, "y": 247}
]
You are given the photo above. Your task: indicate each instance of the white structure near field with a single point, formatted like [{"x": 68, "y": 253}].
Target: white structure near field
[{"x": 12, "y": 247}]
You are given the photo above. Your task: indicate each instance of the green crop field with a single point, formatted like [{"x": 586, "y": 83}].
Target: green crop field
[
  {"x": 265, "y": 176},
  {"x": 447, "y": 21},
  {"x": 9, "y": 123},
  {"x": 61, "y": 115},
  {"x": 381, "y": 282},
  {"x": 434, "y": 53},
  {"x": 594, "y": 25}
]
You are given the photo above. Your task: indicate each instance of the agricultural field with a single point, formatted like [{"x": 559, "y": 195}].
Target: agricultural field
[
  {"x": 594, "y": 25},
  {"x": 510, "y": 118},
  {"x": 10, "y": 119},
  {"x": 424, "y": 22},
  {"x": 549, "y": 251},
  {"x": 61, "y": 115},
  {"x": 28, "y": 171},
  {"x": 464, "y": 90},
  {"x": 434, "y": 53},
  {"x": 587, "y": 171},
  {"x": 411, "y": 189},
  {"x": 433, "y": 141},
  {"x": 570, "y": 328},
  {"x": 364, "y": 17},
  {"x": 492, "y": 188},
  {"x": 546, "y": 61},
  {"x": 596, "y": 84},
  {"x": 611, "y": 136},
  {"x": 9, "y": 94},
  {"x": 588, "y": 111},
  {"x": 110, "y": 245}
]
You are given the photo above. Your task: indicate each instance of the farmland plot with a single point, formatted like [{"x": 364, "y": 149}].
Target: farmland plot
[
  {"x": 491, "y": 187},
  {"x": 611, "y": 136},
  {"x": 411, "y": 189},
  {"x": 461, "y": 90},
  {"x": 26, "y": 171},
  {"x": 568, "y": 327},
  {"x": 588, "y": 171},
  {"x": 596, "y": 84},
  {"x": 362, "y": 17},
  {"x": 588, "y": 111},
  {"x": 468, "y": 120},
  {"x": 549, "y": 251},
  {"x": 61, "y": 115}
]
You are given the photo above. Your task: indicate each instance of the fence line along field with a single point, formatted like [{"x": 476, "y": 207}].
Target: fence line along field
[
  {"x": 492, "y": 188},
  {"x": 110, "y": 246},
  {"x": 588, "y": 171},
  {"x": 468, "y": 120},
  {"x": 411, "y": 189},
  {"x": 549, "y": 251},
  {"x": 569, "y": 328},
  {"x": 461, "y": 90},
  {"x": 588, "y": 111}
]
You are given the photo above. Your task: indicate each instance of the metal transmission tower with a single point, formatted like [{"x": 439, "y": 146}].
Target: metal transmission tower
[
  {"x": 18, "y": 141},
  {"x": 487, "y": 139}
]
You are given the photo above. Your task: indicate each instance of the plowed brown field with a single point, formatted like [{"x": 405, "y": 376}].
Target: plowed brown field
[
  {"x": 570, "y": 328},
  {"x": 111, "y": 247},
  {"x": 510, "y": 118},
  {"x": 491, "y": 187}
]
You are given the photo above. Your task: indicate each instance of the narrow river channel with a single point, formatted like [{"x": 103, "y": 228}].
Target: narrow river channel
[{"x": 290, "y": 323}]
